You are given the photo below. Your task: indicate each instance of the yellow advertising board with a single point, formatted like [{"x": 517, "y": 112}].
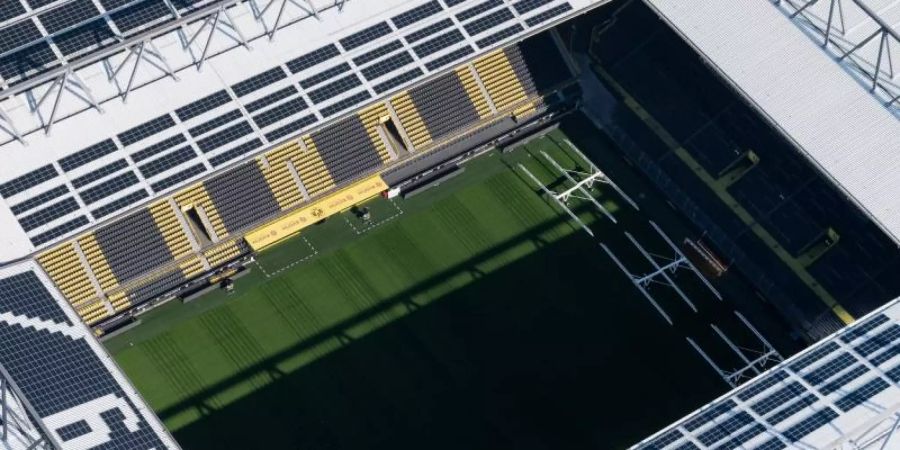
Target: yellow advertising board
[{"x": 341, "y": 200}]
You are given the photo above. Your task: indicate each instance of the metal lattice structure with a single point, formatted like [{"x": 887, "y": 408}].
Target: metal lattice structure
[
  {"x": 18, "y": 426},
  {"x": 861, "y": 35},
  {"x": 755, "y": 360},
  {"x": 580, "y": 182},
  {"x": 198, "y": 27},
  {"x": 664, "y": 267}
]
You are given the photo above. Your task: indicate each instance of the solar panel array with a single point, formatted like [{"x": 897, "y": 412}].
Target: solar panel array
[
  {"x": 817, "y": 397},
  {"x": 39, "y": 34},
  {"x": 70, "y": 383},
  {"x": 202, "y": 135}
]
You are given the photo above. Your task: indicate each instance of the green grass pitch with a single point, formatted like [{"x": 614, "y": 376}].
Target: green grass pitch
[{"x": 458, "y": 318}]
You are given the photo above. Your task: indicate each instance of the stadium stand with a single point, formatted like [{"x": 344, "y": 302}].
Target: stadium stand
[
  {"x": 172, "y": 231},
  {"x": 224, "y": 253},
  {"x": 409, "y": 119},
  {"x": 477, "y": 94},
  {"x": 312, "y": 168},
  {"x": 346, "y": 150},
  {"x": 372, "y": 119},
  {"x": 444, "y": 106},
  {"x": 276, "y": 167},
  {"x": 196, "y": 199},
  {"x": 197, "y": 229},
  {"x": 133, "y": 202},
  {"x": 233, "y": 190},
  {"x": 501, "y": 79}
]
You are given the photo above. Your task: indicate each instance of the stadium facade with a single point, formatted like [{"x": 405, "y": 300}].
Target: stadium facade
[{"x": 136, "y": 134}]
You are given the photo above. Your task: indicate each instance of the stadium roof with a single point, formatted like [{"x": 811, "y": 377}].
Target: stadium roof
[
  {"x": 189, "y": 96},
  {"x": 816, "y": 102},
  {"x": 66, "y": 383},
  {"x": 841, "y": 391}
]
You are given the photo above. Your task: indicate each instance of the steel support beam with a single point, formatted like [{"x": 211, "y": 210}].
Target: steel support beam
[
  {"x": 848, "y": 52},
  {"x": 637, "y": 285},
  {"x": 604, "y": 179},
  {"x": 556, "y": 199},
  {"x": 213, "y": 14},
  {"x": 670, "y": 266},
  {"x": 36, "y": 432},
  {"x": 581, "y": 186},
  {"x": 199, "y": 14},
  {"x": 755, "y": 360}
]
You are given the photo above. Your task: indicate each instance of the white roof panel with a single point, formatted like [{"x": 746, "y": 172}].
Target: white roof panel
[
  {"x": 64, "y": 378},
  {"x": 828, "y": 115}
]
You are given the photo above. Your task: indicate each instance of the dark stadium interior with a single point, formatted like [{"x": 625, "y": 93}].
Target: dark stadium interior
[{"x": 784, "y": 194}]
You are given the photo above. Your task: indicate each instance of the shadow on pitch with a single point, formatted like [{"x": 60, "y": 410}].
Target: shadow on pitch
[{"x": 551, "y": 351}]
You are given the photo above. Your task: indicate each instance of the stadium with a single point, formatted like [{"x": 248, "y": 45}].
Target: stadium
[{"x": 531, "y": 224}]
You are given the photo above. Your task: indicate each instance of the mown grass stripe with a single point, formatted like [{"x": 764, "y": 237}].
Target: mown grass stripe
[
  {"x": 291, "y": 307},
  {"x": 234, "y": 340},
  {"x": 182, "y": 379},
  {"x": 464, "y": 226}
]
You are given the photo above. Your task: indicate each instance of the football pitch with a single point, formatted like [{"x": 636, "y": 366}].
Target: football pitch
[{"x": 472, "y": 315}]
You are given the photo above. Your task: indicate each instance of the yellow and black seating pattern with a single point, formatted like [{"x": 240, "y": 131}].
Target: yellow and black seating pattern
[
  {"x": 445, "y": 107},
  {"x": 191, "y": 267},
  {"x": 467, "y": 77},
  {"x": 346, "y": 149},
  {"x": 500, "y": 80},
  {"x": 312, "y": 170},
  {"x": 119, "y": 301},
  {"x": 155, "y": 285},
  {"x": 97, "y": 262},
  {"x": 428, "y": 115},
  {"x": 171, "y": 229},
  {"x": 222, "y": 253},
  {"x": 233, "y": 190},
  {"x": 64, "y": 267},
  {"x": 277, "y": 174},
  {"x": 410, "y": 120},
  {"x": 196, "y": 197},
  {"x": 371, "y": 118},
  {"x": 526, "y": 109},
  {"x": 111, "y": 249}
]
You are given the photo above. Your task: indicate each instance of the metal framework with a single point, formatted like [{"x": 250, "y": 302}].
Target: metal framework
[
  {"x": 145, "y": 51},
  {"x": 663, "y": 267},
  {"x": 853, "y": 44},
  {"x": 556, "y": 199},
  {"x": 18, "y": 426},
  {"x": 880, "y": 436},
  {"x": 70, "y": 82},
  {"x": 213, "y": 18},
  {"x": 580, "y": 185},
  {"x": 599, "y": 176},
  {"x": 755, "y": 360}
]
